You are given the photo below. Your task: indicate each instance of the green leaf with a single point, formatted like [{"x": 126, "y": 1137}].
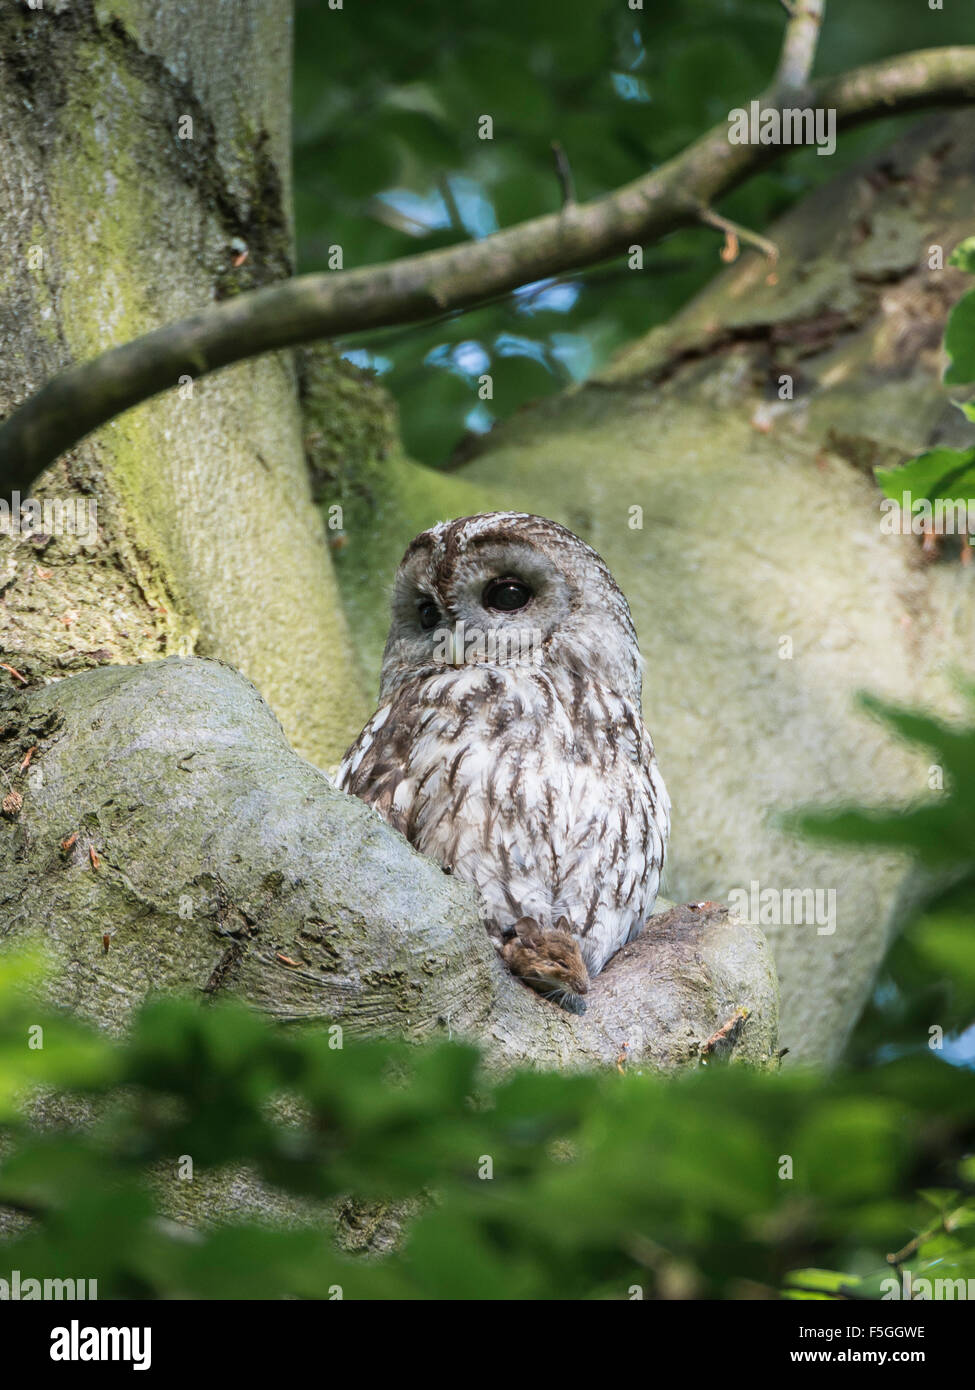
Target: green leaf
[
  {"x": 963, "y": 256},
  {"x": 940, "y": 830},
  {"x": 938, "y": 473},
  {"x": 960, "y": 342},
  {"x": 824, "y": 1281},
  {"x": 941, "y": 1198}
]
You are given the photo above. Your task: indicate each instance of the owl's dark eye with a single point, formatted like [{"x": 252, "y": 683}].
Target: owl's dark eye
[
  {"x": 507, "y": 595},
  {"x": 429, "y": 614}
]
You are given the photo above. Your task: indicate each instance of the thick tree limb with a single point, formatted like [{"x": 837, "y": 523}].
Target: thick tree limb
[
  {"x": 458, "y": 277},
  {"x": 172, "y": 818}
]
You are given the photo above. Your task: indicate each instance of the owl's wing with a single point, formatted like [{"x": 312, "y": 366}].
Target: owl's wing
[
  {"x": 376, "y": 764},
  {"x": 609, "y": 870}
]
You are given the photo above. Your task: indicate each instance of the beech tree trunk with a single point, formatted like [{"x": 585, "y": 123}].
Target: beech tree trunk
[{"x": 144, "y": 148}]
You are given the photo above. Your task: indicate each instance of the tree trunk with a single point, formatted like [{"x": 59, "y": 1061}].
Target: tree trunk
[{"x": 143, "y": 150}]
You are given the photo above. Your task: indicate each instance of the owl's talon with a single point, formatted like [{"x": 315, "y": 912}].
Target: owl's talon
[{"x": 548, "y": 960}]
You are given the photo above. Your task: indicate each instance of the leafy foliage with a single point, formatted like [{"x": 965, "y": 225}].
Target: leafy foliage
[
  {"x": 388, "y": 162},
  {"x": 960, "y": 330},
  {"x": 941, "y": 475},
  {"x": 944, "y": 473},
  {"x": 939, "y": 831},
  {"x": 599, "y": 1183},
  {"x": 928, "y": 979}
]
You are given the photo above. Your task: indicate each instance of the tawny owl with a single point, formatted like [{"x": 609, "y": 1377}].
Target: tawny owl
[{"x": 509, "y": 745}]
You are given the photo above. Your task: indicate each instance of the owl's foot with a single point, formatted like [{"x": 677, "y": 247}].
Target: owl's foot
[{"x": 549, "y": 961}]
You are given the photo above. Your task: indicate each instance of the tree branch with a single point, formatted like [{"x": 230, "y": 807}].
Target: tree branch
[
  {"x": 799, "y": 45},
  {"x": 735, "y": 231},
  {"x": 459, "y": 277}
]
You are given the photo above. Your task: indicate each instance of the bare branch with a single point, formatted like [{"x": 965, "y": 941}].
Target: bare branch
[
  {"x": 450, "y": 203},
  {"x": 739, "y": 233},
  {"x": 563, "y": 170},
  {"x": 458, "y": 277},
  {"x": 799, "y": 45}
]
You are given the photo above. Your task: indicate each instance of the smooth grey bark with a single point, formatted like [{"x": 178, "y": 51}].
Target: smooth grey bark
[{"x": 219, "y": 862}]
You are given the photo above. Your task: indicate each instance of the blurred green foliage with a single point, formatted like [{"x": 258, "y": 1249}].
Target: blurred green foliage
[
  {"x": 928, "y": 978},
  {"x": 388, "y": 163},
  {"x": 960, "y": 329},
  {"x": 598, "y": 1183}
]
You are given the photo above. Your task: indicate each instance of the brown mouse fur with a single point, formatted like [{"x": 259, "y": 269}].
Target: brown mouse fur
[{"x": 548, "y": 960}]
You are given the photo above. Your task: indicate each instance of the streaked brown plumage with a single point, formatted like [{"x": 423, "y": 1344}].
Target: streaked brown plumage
[{"x": 508, "y": 743}]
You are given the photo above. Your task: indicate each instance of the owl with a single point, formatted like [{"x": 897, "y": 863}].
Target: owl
[{"x": 509, "y": 745}]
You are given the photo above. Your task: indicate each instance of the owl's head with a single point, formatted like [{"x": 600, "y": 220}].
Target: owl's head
[{"x": 506, "y": 588}]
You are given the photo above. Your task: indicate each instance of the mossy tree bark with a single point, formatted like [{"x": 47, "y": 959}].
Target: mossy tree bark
[{"x": 143, "y": 148}]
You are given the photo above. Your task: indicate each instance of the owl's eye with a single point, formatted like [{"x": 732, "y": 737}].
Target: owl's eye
[
  {"x": 429, "y": 614},
  {"x": 507, "y": 595}
]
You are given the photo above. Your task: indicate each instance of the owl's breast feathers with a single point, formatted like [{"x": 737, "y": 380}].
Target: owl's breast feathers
[{"x": 547, "y": 798}]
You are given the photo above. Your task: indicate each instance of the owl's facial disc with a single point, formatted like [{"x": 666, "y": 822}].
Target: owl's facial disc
[
  {"x": 509, "y": 589},
  {"x": 496, "y": 602},
  {"x": 507, "y": 592}
]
